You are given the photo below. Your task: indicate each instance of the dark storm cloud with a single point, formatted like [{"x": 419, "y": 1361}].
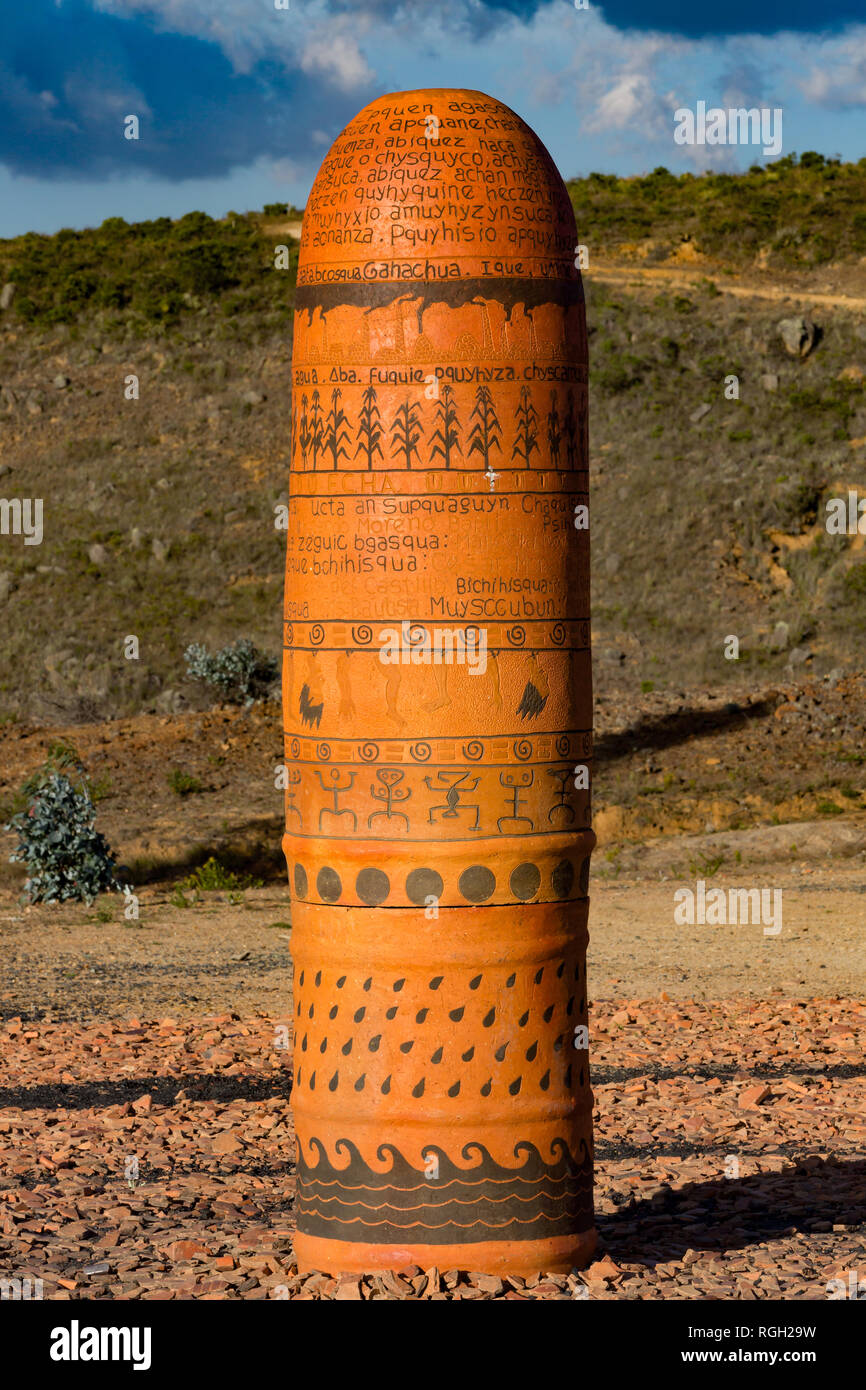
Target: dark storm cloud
[
  {"x": 690, "y": 18},
  {"x": 477, "y": 17},
  {"x": 701, "y": 20},
  {"x": 69, "y": 75}
]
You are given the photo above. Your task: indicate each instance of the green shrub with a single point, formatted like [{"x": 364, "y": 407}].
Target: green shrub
[
  {"x": 63, "y": 758},
  {"x": 855, "y": 580},
  {"x": 213, "y": 877},
  {"x": 66, "y": 856},
  {"x": 241, "y": 673},
  {"x": 183, "y": 783}
]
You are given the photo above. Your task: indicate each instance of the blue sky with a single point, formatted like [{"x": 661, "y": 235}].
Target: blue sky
[{"x": 238, "y": 101}]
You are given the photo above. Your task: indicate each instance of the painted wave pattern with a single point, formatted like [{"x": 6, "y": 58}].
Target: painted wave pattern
[{"x": 480, "y": 1202}]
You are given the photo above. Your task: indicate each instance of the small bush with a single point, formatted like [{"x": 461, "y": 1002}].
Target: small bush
[
  {"x": 65, "y": 855},
  {"x": 65, "y": 760},
  {"x": 183, "y": 783},
  {"x": 855, "y": 580},
  {"x": 213, "y": 877},
  {"x": 61, "y": 757},
  {"x": 240, "y": 673},
  {"x": 614, "y": 373},
  {"x": 705, "y": 865},
  {"x": 793, "y": 504}
]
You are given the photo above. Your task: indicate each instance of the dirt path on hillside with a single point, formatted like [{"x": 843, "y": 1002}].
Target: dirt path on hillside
[{"x": 677, "y": 277}]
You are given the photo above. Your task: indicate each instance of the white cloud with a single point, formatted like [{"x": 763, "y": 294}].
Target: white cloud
[
  {"x": 622, "y": 104},
  {"x": 611, "y": 78},
  {"x": 337, "y": 57},
  {"x": 838, "y": 77}
]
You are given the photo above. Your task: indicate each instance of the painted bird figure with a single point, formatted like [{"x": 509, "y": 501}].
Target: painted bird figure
[
  {"x": 532, "y": 702},
  {"x": 310, "y": 714}
]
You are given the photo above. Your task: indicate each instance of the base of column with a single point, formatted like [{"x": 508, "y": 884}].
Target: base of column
[{"x": 488, "y": 1257}]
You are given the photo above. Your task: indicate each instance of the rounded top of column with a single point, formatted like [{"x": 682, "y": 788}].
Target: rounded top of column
[{"x": 444, "y": 182}]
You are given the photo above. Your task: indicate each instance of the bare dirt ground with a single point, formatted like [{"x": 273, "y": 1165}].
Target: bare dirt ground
[{"x": 213, "y": 957}]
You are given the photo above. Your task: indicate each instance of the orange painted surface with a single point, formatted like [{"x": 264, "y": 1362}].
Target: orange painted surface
[{"x": 437, "y": 699}]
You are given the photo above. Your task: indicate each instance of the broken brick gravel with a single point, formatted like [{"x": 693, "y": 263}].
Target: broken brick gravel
[{"x": 153, "y": 1159}]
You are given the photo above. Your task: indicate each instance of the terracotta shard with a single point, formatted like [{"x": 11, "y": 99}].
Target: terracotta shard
[{"x": 437, "y": 700}]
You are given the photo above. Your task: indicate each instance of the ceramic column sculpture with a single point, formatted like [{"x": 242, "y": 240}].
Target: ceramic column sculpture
[{"x": 437, "y": 699}]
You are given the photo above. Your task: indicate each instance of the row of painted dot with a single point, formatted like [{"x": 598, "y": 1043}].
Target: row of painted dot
[
  {"x": 477, "y": 884},
  {"x": 513, "y": 1087},
  {"x": 374, "y": 1043},
  {"x": 455, "y": 1015},
  {"x": 437, "y": 981}
]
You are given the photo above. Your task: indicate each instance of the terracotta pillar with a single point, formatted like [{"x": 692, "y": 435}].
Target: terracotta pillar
[{"x": 437, "y": 699}]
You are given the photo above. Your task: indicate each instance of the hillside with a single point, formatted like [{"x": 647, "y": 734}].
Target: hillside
[
  {"x": 708, "y": 513},
  {"x": 796, "y": 212}
]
